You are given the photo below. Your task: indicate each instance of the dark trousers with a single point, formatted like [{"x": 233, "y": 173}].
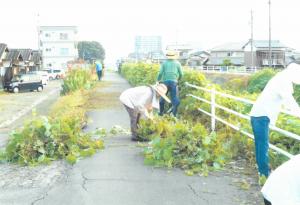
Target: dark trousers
[
  {"x": 267, "y": 202},
  {"x": 173, "y": 90},
  {"x": 99, "y": 74},
  {"x": 260, "y": 127},
  {"x": 134, "y": 116}
]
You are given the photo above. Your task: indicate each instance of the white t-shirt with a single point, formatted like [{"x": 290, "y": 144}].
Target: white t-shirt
[
  {"x": 140, "y": 98},
  {"x": 277, "y": 94},
  {"x": 283, "y": 185}
]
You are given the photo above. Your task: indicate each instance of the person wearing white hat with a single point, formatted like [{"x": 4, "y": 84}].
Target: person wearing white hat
[
  {"x": 140, "y": 101},
  {"x": 170, "y": 73},
  {"x": 278, "y": 93}
]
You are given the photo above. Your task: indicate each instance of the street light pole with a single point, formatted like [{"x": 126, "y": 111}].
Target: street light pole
[{"x": 270, "y": 50}]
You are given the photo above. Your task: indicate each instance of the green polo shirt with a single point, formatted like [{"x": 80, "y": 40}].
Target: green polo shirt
[{"x": 170, "y": 70}]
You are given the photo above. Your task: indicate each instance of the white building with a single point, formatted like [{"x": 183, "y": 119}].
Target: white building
[
  {"x": 147, "y": 46},
  {"x": 58, "y": 45}
]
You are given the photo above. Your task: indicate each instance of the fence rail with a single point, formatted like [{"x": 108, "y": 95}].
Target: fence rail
[
  {"x": 214, "y": 118},
  {"x": 227, "y": 69}
]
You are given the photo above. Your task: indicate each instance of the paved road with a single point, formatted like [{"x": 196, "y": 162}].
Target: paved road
[
  {"x": 117, "y": 175},
  {"x": 16, "y": 108}
]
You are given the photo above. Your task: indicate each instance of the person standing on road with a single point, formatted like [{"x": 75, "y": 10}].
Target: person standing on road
[
  {"x": 170, "y": 73},
  {"x": 103, "y": 69},
  {"x": 99, "y": 69},
  {"x": 140, "y": 101},
  {"x": 283, "y": 185},
  {"x": 277, "y": 93}
]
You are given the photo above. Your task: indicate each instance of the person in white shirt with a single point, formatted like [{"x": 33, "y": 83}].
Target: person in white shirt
[
  {"x": 277, "y": 94},
  {"x": 140, "y": 101},
  {"x": 283, "y": 185}
]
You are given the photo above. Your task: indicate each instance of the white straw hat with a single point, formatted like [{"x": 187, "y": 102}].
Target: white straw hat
[
  {"x": 162, "y": 90},
  {"x": 171, "y": 54}
]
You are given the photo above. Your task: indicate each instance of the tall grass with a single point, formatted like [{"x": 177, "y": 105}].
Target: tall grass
[{"x": 78, "y": 79}]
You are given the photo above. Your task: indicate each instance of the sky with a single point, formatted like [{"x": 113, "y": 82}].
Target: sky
[{"x": 115, "y": 23}]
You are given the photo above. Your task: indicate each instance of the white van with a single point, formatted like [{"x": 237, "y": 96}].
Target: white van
[
  {"x": 55, "y": 73},
  {"x": 44, "y": 75}
]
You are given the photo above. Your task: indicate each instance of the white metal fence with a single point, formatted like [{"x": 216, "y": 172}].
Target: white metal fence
[
  {"x": 226, "y": 69},
  {"x": 215, "y": 118}
]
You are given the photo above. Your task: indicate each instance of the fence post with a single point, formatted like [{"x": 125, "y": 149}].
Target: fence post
[{"x": 213, "y": 109}]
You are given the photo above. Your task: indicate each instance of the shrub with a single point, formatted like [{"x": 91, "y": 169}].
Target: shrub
[
  {"x": 140, "y": 73},
  {"x": 237, "y": 84},
  {"x": 78, "y": 79},
  {"x": 177, "y": 143},
  {"x": 259, "y": 80},
  {"x": 58, "y": 136}
]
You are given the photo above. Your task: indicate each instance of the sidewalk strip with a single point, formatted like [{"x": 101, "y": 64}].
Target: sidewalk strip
[{"x": 27, "y": 109}]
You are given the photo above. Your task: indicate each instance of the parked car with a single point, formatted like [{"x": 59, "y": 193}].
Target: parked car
[
  {"x": 44, "y": 75},
  {"x": 55, "y": 73},
  {"x": 25, "y": 82}
]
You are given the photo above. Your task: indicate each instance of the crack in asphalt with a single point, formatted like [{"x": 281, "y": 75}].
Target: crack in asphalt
[
  {"x": 196, "y": 194},
  {"x": 85, "y": 179},
  {"x": 42, "y": 197},
  {"x": 49, "y": 188}
]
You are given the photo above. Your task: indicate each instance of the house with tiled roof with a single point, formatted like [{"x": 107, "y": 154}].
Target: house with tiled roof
[
  {"x": 37, "y": 60},
  {"x": 279, "y": 51},
  {"x": 16, "y": 64},
  {"x": 233, "y": 52},
  {"x": 239, "y": 54},
  {"x": 3, "y": 62}
]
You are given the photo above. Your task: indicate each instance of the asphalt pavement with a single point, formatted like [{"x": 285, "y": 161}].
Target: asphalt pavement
[{"x": 118, "y": 176}]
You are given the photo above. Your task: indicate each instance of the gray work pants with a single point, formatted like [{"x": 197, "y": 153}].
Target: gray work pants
[{"x": 134, "y": 120}]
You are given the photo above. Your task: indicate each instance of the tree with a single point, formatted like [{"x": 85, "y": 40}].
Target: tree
[
  {"x": 91, "y": 50},
  {"x": 226, "y": 62}
]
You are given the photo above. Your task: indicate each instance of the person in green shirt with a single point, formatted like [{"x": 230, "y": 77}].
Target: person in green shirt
[{"x": 170, "y": 73}]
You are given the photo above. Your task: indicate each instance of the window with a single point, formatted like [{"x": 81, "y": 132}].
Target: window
[
  {"x": 48, "y": 49},
  {"x": 64, "y": 51},
  {"x": 47, "y": 35},
  {"x": 63, "y": 36},
  {"x": 229, "y": 54},
  {"x": 49, "y": 65}
]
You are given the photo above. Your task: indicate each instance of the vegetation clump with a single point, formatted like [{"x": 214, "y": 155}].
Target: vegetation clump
[
  {"x": 177, "y": 143},
  {"x": 59, "y": 136},
  {"x": 188, "y": 111},
  {"x": 78, "y": 79}
]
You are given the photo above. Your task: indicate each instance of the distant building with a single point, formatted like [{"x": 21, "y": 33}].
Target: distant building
[
  {"x": 3, "y": 65},
  {"x": 197, "y": 57},
  {"x": 58, "y": 45},
  {"x": 15, "y": 65},
  {"x": 280, "y": 54},
  {"x": 147, "y": 46},
  {"x": 37, "y": 59},
  {"x": 239, "y": 54},
  {"x": 234, "y": 52}
]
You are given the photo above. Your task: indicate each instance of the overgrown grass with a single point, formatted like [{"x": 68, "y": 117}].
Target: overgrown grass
[
  {"x": 140, "y": 74},
  {"x": 58, "y": 136},
  {"x": 177, "y": 143},
  {"x": 78, "y": 79}
]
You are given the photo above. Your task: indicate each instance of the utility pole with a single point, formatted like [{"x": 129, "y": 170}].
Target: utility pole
[
  {"x": 38, "y": 30},
  {"x": 270, "y": 50},
  {"x": 176, "y": 43},
  {"x": 252, "y": 56}
]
